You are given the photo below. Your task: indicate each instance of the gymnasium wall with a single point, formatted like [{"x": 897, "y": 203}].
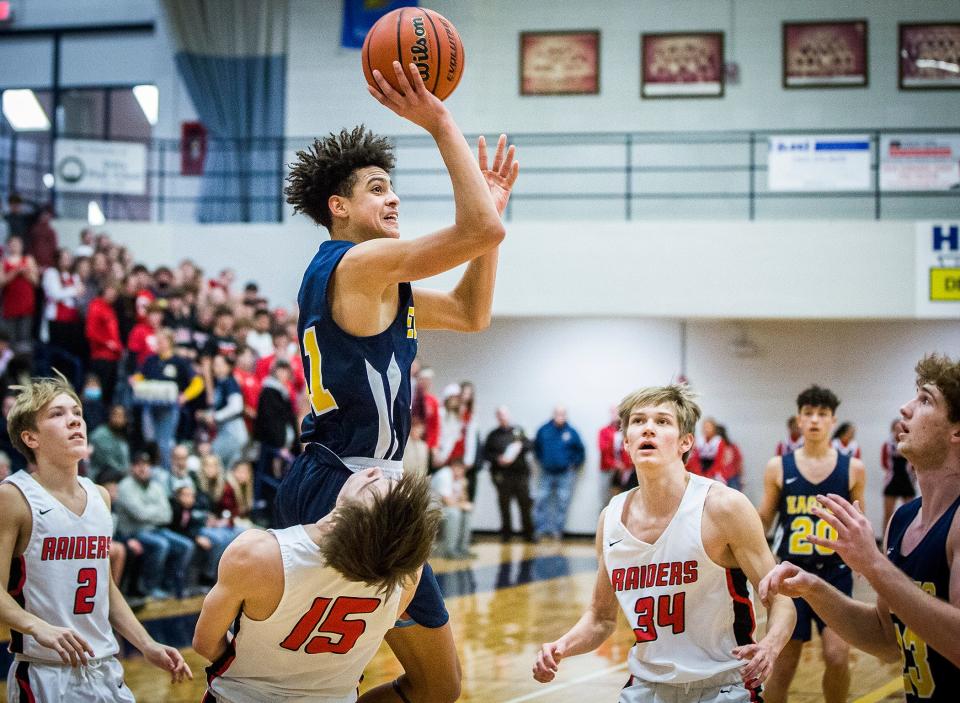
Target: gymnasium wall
[{"x": 326, "y": 90}]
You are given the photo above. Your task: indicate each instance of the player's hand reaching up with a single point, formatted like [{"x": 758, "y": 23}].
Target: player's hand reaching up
[
  {"x": 413, "y": 101},
  {"x": 503, "y": 174},
  {"x": 548, "y": 661},
  {"x": 168, "y": 659},
  {"x": 70, "y": 646}
]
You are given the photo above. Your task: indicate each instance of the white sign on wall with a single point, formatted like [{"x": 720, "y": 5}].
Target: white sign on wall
[
  {"x": 938, "y": 269},
  {"x": 89, "y": 166},
  {"x": 819, "y": 163},
  {"x": 920, "y": 162}
]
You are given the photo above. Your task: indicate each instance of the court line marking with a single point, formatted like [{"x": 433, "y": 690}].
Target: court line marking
[
  {"x": 879, "y": 694},
  {"x": 550, "y": 690}
]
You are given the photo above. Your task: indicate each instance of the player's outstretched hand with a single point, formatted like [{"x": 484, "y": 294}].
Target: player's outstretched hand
[
  {"x": 785, "y": 579},
  {"x": 168, "y": 659},
  {"x": 760, "y": 658},
  {"x": 548, "y": 661},
  {"x": 502, "y": 174},
  {"x": 855, "y": 541},
  {"x": 68, "y": 645},
  {"x": 413, "y": 101}
]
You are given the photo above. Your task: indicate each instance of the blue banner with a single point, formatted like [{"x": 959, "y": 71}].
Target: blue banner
[{"x": 360, "y": 15}]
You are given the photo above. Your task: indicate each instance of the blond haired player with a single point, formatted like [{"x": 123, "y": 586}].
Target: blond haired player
[
  {"x": 55, "y": 530},
  {"x": 675, "y": 555}
]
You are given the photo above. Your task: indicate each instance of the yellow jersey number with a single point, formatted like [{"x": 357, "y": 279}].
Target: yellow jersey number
[
  {"x": 804, "y": 525},
  {"x": 917, "y": 676},
  {"x": 321, "y": 400}
]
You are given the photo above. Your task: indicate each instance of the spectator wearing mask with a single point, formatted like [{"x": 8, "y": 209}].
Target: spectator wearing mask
[
  {"x": 144, "y": 514},
  {"x": 18, "y": 280},
  {"x": 559, "y": 451},
  {"x": 505, "y": 448},
  {"x": 110, "y": 446},
  {"x": 103, "y": 338},
  {"x": 450, "y": 485}
]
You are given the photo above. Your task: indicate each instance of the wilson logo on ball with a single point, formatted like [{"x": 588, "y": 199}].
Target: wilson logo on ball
[{"x": 420, "y": 51}]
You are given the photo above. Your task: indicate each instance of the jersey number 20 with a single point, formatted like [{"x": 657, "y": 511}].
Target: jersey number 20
[{"x": 335, "y": 623}]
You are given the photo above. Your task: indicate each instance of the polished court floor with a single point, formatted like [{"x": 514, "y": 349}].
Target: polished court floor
[{"x": 503, "y": 605}]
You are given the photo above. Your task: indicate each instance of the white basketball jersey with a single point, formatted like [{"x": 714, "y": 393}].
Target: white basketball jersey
[
  {"x": 317, "y": 642},
  {"x": 687, "y": 612},
  {"x": 63, "y": 576}
]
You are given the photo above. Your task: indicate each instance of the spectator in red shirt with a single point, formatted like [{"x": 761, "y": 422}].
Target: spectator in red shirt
[
  {"x": 794, "y": 439},
  {"x": 282, "y": 352},
  {"x": 614, "y": 460},
  {"x": 246, "y": 378},
  {"x": 143, "y": 336},
  {"x": 103, "y": 337},
  {"x": 426, "y": 407},
  {"x": 18, "y": 279}
]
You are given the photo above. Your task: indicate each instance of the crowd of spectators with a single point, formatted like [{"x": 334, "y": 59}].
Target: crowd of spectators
[{"x": 192, "y": 391}]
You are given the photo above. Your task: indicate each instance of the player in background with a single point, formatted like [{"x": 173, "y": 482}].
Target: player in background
[
  {"x": 358, "y": 327},
  {"x": 313, "y": 602},
  {"x": 55, "y": 531},
  {"x": 675, "y": 554},
  {"x": 899, "y": 478},
  {"x": 917, "y": 614},
  {"x": 791, "y": 484}
]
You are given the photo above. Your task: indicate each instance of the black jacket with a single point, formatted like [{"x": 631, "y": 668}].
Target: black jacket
[
  {"x": 497, "y": 442},
  {"x": 274, "y": 414}
]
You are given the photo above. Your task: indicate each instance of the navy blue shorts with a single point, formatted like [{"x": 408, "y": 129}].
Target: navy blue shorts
[
  {"x": 841, "y": 578},
  {"x": 309, "y": 491}
]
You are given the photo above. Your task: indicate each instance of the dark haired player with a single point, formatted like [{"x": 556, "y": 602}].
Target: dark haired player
[
  {"x": 791, "y": 485},
  {"x": 358, "y": 329},
  {"x": 917, "y": 614}
]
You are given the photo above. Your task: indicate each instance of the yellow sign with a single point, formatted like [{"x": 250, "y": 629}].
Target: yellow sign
[{"x": 945, "y": 285}]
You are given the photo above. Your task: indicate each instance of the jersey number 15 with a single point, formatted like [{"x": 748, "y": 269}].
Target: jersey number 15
[{"x": 335, "y": 623}]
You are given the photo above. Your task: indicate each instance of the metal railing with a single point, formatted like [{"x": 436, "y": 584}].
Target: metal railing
[{"x": 589, "y": 176}]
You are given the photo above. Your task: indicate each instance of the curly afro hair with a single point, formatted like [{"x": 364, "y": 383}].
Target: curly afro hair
[{"x": 328, "y": 167}]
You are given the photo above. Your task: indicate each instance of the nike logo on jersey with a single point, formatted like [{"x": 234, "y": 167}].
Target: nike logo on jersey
[
  {"x": 44, "y": 512},
  {"x": 791, "y": 480},
  {"x": 615, "y": 542}
]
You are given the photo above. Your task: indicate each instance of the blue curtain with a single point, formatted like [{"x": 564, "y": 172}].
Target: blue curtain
[{"x": 232, "y": 58}]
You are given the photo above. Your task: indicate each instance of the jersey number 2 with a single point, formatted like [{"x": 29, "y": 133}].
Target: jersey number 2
[
  {"x": 335, "y": 623},
  {"x": 86, "y": 592},
  {"x": 321, "y": 400},
  {"x": 664, "y": 612}
]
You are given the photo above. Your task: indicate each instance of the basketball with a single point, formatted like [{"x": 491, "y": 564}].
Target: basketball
[{"x": 420, "y": 36}]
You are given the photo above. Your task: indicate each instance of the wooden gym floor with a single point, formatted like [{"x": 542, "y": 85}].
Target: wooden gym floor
[{"x": 503, "y": 605}]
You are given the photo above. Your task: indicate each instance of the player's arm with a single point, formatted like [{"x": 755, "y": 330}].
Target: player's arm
[
  {"x": 477, "y": 229},
  {"x": 733, "y": 513},
  {"x": 409, "y": 590},
  {"x": 934, "y": 621},
  {"x": 467, "y": 307},
  {"x": 126, "y": 623},
  {"x": 245, "y": 570},
  {"x": 772, "y": 485},
  {"x": 16, "y": 520},
  {"x": 591, "y": 630}
]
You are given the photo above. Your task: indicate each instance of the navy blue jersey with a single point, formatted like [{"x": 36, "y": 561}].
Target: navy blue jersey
[
  {"x": 927, "y": 675},
  {"x": 359, "y": 387},
  {"x": 797, "y": 499}
]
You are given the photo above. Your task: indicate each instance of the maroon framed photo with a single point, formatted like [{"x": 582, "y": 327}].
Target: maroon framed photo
[
  {"x": 681, "y": 65},
  {"x": 930, "y": 56},
  {"x": 825, "y": 54},
  {"x": 560, "y": 63}
]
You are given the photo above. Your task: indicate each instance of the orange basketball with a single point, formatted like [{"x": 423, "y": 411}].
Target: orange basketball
[{"x": 415, "y": 35}]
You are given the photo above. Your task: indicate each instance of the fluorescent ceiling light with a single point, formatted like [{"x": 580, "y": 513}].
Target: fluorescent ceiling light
[
  {"x": 149, "y": 98},
  {"x": 23, "y": 111},
  {"x": 95, "y": 216}
]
